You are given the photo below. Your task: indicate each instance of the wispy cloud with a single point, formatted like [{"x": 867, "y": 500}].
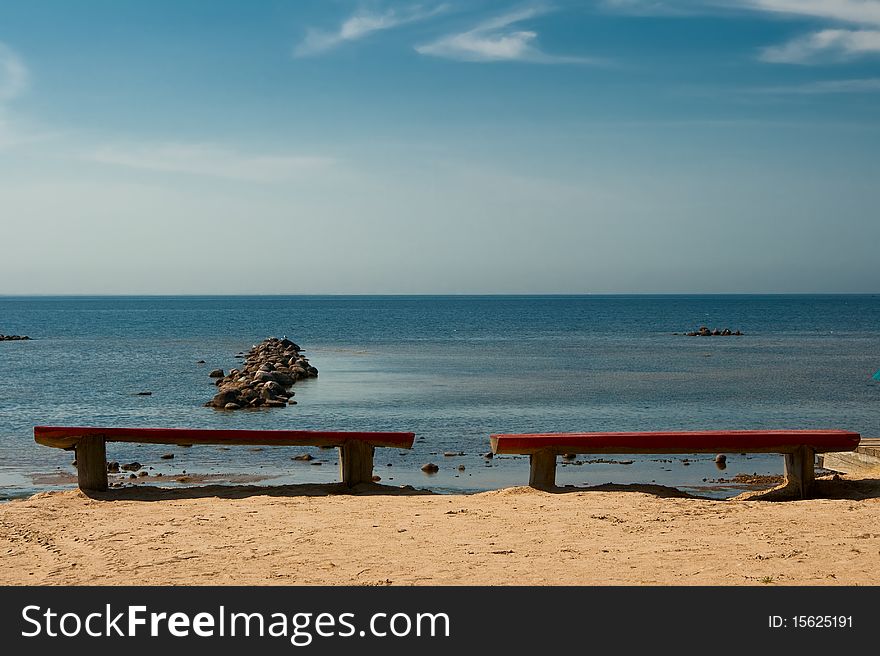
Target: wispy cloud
[
  {"x": 824, "y": 45},
  {"x": 852, "y": 29},
  {"x": 361, "y": 25},
  {"x": 14, "y": 80},
  {"x": 856, "y": 33},
  {"x": 497, "y": 40},
  {"x": 208, "y": 160},
  {"x": 13, "y": 74}
]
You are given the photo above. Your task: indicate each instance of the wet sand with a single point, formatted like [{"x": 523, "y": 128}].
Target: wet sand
[{"x": 378, "y": 535}]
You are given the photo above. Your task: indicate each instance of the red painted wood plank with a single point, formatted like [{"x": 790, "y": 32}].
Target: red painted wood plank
[
  {"x": 731, "y": 441},
  {"x": 67, "y": 436}
]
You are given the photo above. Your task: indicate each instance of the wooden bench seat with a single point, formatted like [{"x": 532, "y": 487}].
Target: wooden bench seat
[
  {"x": 355, "y": 448},
  {"x": 798, "y": 446}
]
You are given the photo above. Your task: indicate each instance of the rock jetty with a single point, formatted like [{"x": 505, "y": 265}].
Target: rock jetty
[
  {"x": 703, "y": 331},
  {"x": 270, "y": 369},
  {"x": 13, "y": 338}
]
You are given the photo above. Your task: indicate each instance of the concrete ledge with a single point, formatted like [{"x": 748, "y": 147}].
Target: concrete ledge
[{"x": 864, "y": 461}]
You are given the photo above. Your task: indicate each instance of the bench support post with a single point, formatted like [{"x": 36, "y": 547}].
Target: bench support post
[
  {"x": 91, "y": 464},
  {"x": 799, "y": 470},
  {"x": 542, "y": 472},
  {"x": 356, "y": 462}
]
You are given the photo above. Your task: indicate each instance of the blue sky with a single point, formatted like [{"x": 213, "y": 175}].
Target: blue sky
[{"x": 616, "y": 146}]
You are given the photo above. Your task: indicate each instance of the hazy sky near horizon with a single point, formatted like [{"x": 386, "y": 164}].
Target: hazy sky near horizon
[{"x": 448, "y": 146}]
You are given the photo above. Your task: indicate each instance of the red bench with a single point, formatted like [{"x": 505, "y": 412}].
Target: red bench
[
  {"x": 798, "y": 446},
  {"x": 355, "y": 448}
]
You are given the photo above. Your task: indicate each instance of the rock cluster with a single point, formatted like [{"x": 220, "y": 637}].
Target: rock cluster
[
  {"x": 12, "y": 338},
  {"x": 270, "y": 369},
  {"x": 705, "y": 332}
]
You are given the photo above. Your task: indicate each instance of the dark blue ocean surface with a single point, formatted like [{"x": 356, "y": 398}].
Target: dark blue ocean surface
[{"x": 451, "y": 369}]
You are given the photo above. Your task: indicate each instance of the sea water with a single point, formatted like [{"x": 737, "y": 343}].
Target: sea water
[{"x": 452, "y": 369}]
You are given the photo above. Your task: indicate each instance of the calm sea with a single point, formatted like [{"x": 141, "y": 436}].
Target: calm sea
[{"x": 451, "y": 369}]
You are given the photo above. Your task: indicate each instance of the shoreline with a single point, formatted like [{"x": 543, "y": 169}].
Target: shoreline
[
  {"x": 380, "y": 535},
  {"x": 148, "y": 476}
]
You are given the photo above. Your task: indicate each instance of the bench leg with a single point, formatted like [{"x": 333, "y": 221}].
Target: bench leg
[
  {"x": 542, "y": 472},
  {"x": 799, "y": 470},
  {"x": 91, "y": 464},
  {"x": 356, "y": 462}
]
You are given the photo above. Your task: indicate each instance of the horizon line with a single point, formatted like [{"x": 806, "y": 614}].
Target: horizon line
[{"x": 425, "y": 295}]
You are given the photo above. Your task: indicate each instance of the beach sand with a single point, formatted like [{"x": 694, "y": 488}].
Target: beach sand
[{"x": 315, "y": 534}]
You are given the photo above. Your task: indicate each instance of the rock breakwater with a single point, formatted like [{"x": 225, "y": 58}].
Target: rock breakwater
[
  {"x": 703, "y": 331},
  {"x": 270, "y": 369}
]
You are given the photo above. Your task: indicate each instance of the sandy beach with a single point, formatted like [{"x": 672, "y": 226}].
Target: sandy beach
[{"x": 315, "y": 534}]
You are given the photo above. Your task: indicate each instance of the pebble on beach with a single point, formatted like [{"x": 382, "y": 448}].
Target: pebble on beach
[{"x": 264, "y": 380}]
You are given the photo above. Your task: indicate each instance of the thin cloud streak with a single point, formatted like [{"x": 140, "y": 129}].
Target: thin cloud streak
[
  {"x": 858, "y": 12},
  {"x": 361, "y": 25},
  {"x": 855, "y": 12},
  {"x": 823, "y": 87},
  {"x": 495, "y": 41},
  {"x": 208, "y": 160},
  {"x": 655, "y": 7}
]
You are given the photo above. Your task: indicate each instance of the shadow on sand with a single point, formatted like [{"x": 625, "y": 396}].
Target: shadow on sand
[
  {"x": 152, "y": 493},
  {"x": 660, "y": 491},
  {"x": 826, "y": 487}
]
